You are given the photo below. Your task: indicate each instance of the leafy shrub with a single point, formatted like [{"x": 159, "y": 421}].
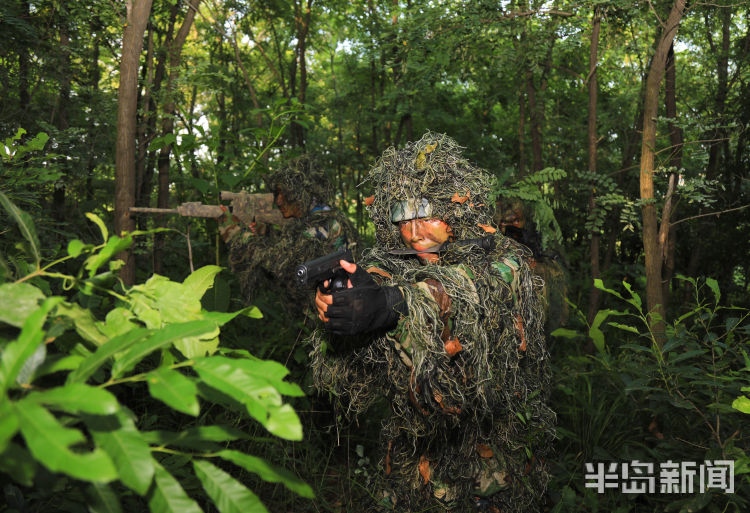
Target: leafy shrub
[
  {"x": 636, "y": 400},
  {"x": 108, "y": 396}
]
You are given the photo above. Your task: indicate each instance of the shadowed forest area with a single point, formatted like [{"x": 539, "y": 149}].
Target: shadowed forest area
[{"x": 136, "y": 376}]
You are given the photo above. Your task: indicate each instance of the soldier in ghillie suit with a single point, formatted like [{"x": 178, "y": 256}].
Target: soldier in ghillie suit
[
  {"x": 453, "y": 339},
  {"x": 515, "y": 220},
  {"x": 264, "y": 257}
]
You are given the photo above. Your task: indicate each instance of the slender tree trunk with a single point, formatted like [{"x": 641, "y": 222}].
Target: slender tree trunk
[
  {"x": 594, "y": 293},
  {"x": 175, "y": 52},
  {"x": 94, "y": 76},
  {"x": 535, "y": 122},
  {"x": 651, "y": 246},
  {"x": 61, "y": 122},
  {"x": 127, "y": 106},
  {"x": 521, "y": 135},
  {"x": 667, "y": 234}
]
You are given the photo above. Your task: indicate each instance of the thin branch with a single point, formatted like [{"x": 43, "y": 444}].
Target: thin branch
[{"x": 717, "y": 214}]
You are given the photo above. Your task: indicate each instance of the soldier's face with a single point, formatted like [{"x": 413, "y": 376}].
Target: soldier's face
[
  {"x": 424, "y": 233},
  {"x": 288, "y": 208}
]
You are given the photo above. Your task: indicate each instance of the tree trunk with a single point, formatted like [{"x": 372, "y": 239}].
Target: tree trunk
[
  {"x": 594, "y": 293},
  {"x": 667, "y": 234},
  {"x": 61, "y": 121},
  {"x": 127, "y": 106},
  {"x": 175, "y": 52},
  {"x": 651, "y": 244},
  {"x": 535, "y": 122}
]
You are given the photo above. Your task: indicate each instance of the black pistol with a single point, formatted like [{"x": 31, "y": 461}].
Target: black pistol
[{"x": 314, "y": 272}]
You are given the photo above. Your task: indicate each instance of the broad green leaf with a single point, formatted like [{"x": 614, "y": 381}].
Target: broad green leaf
[
  {"x": 253, "y": 312},
  {"x": 19, "y": 300},
  {"x": 118, "y": 321},
  {"x": 271, "y": 371},
  {"x": 599, "y": 284},
  {"x": 261, "y": 398},
  {"x": 268, "y": 472},
  {"x": 18, "y": 464},
  {"x": 742, "y": 403},
  {"x": 84, "y": 322},
  {"x": 108, "y": 350},
  {"x": 714, "y": 286},
  {"x": 58, "y": 363},
  {"x": 635, "y": 298},
  {"x": 597, "y": 337},
  {"x": 8, "y": 423},
  {"x": 174, "y": 389},
  {"x": 118, "y": 436},
  {"x": 101, "y": 499},
  {"x": 16, "y": 353},
  {"x": 75, "y": 247},
  {"x": 98, "y": 221},
  {"x": 25, "y": 375},
  {"x": 25, "y": 224},
  {"x": 199, "y": 281},
  {"x": 161, "y": 338},
  {"x": 228, "y": 495},
  {"x": 114, "y": 245},
  {"x": 77, "y": 398},
  {"x": 284, "y": 422},
  {"x": 167, "y": 496},
  {"x": 194, "y": 435},
  {"x": 50, "y": 443}
]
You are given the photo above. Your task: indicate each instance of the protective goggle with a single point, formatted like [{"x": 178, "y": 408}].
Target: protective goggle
[{"x": 405, "y": 210}]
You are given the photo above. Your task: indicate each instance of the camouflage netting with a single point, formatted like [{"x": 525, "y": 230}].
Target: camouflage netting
[
  {"x": 467, "y": 371},
  {"x": 267, "y": 262}
]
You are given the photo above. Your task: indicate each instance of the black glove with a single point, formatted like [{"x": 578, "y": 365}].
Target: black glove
[{"x": 365, "y": 307}]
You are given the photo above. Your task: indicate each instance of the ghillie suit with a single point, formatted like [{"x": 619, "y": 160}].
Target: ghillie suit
[
  {"x": 515, "y": 220},
  {"x": 466, "y": 371},
  {"x": 265, "y": 260}
]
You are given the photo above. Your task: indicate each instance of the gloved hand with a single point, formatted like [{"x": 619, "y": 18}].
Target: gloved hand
[{"x": 366, "y": 306}]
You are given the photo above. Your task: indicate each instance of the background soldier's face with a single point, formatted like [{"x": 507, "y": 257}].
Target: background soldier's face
[
  {"x": 424, "y": 233},
  {"x": 288, "y": 208}
]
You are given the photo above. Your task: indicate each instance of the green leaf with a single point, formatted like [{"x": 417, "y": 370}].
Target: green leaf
[
  {"x": 599, "y": 284},
  {"x": 597, "y": 337},
  {"x": 742, "y": 403},
  {"x": 58, "y": 363},
  {"x": 108, "y": 350},
  {"x": 25, "y": 224},
  {"x": 101, "y": 499},
  {"x": 121, "y": 440},
  {"x": 268, "y": 472},
  {"x": 18, "y": 464},
  {"x": 624, "y": 327},
  {"x": 75, "y": 247},
  {"x": 199, "y": 281},
  {"x": 161, "y": 338},
  {"x": 174, "y": 389},
  {"x": 714, "y": 286},
  {"x": 565, "y": 333},
  {"x": 84, "y": 322},
  {"x": 50, "y": 443},
  {"x": 19, "y": 300},
  {"x": 261, "y": 398},
  {"x": 98, "y": 221},
  {"x": 77, "y": 398},
  {"x": 228, "y": 495},
  {"x": 194, "y": 435},
  {"x": 8, "y": 423},
  {"x": 635, "y": 298},
  {"x": 167, "y": 496},
  {"x": 16, "y": 353},
  {"x": 114, "y": 245}
]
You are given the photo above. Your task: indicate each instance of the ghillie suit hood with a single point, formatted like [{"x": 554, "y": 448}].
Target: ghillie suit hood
[
  {"x": 467, "y": 371},
  {"x": 434, "y": 169},
  {"x": 303, "y": 182}
]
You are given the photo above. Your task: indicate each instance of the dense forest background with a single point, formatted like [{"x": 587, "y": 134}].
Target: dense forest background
[{"x": 623, "y": 126}]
